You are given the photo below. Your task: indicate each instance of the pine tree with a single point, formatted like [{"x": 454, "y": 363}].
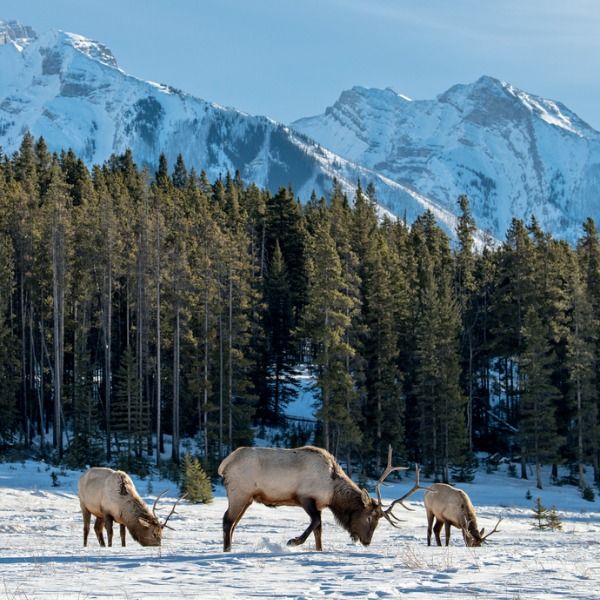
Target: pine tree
[
  {"x": 588, "y": 254},
  {"x": 581, "y": 341},
  {"x": 279, "y": 324},
  {"x": 540, "y": 515},
  {"x": 537, "y": 424},
  {"x": 326, "y": 325},
  {"x": 341, "y": 220},
  {"x": 285, "y": 226},
  {"x": 440, "y": 405},
  {"x": 512, "y": 297},
  {"x": 545, "y": 518},
  {"x": 57, "y": 201},
  {"x": 386, "y": 406},
  {"x": 194, "y": 482},
  {"x": 8, "y": 360},
  {"x": 464, "y": 282}
]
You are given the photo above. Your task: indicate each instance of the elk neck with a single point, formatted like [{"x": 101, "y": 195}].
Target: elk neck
[{"x": 346, "y": 499}]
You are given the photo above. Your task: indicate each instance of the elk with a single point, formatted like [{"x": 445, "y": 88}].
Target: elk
[
  {"x": 111, "y": 496},
  {"x": 451, "y": 506},
  {"x": 308, "y": 477}
]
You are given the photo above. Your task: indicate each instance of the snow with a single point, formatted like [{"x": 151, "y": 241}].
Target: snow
[
  {"x": 303, "y": 406},
  {"x": 42, "y": 556},
  {"x": 513, "y": 153}
]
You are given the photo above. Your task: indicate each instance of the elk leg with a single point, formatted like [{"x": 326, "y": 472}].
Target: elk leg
[
  {"x": 430, "y": 518},
  {"x": 447, "y": 531},
  {"x": 108, "y": 523},
  {"x": 317, "y": 533},
  {"x": 231, "y": 518},
  {"x": 98, "y": 527},
  {"x": 436, "y": 531},
  {"x": 87, "y": 517},
  {"x": 310, "y": 506},
  {"x": 122, "y": 532}
]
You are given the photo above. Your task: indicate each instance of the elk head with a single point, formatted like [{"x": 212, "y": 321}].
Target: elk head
[
  {"x": 474, "y": 538},
  {"x": 364, "y": 522},
  {"x": 151, "y": 530},
  {"x": 365, "y": 519}
]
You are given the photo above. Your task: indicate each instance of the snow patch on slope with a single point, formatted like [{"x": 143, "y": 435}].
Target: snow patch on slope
[{"x": 514, "y": 154}]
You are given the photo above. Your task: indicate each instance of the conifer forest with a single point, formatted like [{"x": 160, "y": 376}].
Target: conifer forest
[{"x": 140, "y": 310}]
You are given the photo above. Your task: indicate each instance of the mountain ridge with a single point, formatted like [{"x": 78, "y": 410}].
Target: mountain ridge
[
  {"x": 70, "y": 90},
  {"x": 420, "y": 154},
  {"x": 513, "y": 153}
]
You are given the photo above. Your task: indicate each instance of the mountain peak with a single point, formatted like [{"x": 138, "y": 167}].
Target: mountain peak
[
  {"x": 95, "y": 50},
  {"x": 483, "y": 87},
  {"x": 21, "y": 36},
  {"x": 15, "y": 33},
  {"x": 513, "y": 153}
]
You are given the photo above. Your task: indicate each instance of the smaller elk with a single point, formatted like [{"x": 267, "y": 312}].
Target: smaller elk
[
  {"x": 307, "y": 477},
  {"x": 451, "y": 506},
  {"x": 111, "y": 496}
]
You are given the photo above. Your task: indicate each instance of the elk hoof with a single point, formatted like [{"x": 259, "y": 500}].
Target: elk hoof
[{"x": 297, "y": 541}]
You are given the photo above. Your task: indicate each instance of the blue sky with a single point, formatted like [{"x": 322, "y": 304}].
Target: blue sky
[{"x": 292, "y": 58}]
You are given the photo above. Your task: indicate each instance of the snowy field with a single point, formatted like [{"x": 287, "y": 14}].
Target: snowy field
[{"x": 42, "y": 555}]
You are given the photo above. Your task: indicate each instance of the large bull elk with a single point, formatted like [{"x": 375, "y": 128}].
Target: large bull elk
[
  {"x": 308, "y": 477},
  {"x": 449, "y": 506},
  {"x": 111, "y": 497}
]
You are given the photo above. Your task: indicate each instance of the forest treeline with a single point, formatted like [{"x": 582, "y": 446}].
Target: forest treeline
[{"x": 138, "y": 307}]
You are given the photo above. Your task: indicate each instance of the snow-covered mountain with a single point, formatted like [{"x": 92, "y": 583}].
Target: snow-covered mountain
[
  {"x": 71, "y": 90},
  {"x": 513, "y": 153}
]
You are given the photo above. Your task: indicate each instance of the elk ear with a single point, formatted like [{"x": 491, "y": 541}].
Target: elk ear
[
  {"x": 143, "y": 522},
  {"x": 364, "y": 495}
]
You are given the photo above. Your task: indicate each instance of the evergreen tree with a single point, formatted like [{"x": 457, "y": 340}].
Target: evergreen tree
[
  {"x": 537, "y": 424},
  {"x": 588, "y": 254},
  {"x": 465, "y": 282},
  {"x": 278, "y": 324},
  {"x": 326, "y": 325},
  {"x": 581, "y": 340},
  {"x": 285, "y": 226},
  {"x": 194, "y": 482},
  {"x": 386, "y": 409},
  {"x": 440, "y": 405}
]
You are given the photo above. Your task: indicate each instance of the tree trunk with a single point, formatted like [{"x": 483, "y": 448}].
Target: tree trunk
[
  {"x": 139, "y": 352},
  {"x": 220, "y": 386},
  {"x": 129, "y": 365},
  {"x": 470, "y": 406},
  {"x": 582, "y": 484},
  {"x": 58, "y": 314},
  {"x": 23, "y": 353},
  {"x": 107, "y": 354},
  {"x": 325, "y": 385},
  {"x": 40, "y": 394},
  {"x": 158, "y": 341},
  {"x": 523, "y": 463},
  {"x": 230, "y": 363},
  {"x": 176, "y": 342},
  {"x": 205, "y": 390}
]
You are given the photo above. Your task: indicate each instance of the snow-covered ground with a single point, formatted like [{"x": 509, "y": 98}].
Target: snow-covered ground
[{"x": 42, "y": 555}]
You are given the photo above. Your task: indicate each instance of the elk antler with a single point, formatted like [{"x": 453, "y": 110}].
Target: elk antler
[
  {"x": 155, "y": 502},
  {"x": 173, "y": 510},
  {"x": 410, "y": 492},
  {"x": 389, "y": 469},
  {"x": 487, "y": 535}
]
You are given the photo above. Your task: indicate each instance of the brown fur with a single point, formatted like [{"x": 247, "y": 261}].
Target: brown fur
[
  {"x": 308, "y": 477},
  {"x": 450, "y": 506},
  {"x": 111, "y": 497}
]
